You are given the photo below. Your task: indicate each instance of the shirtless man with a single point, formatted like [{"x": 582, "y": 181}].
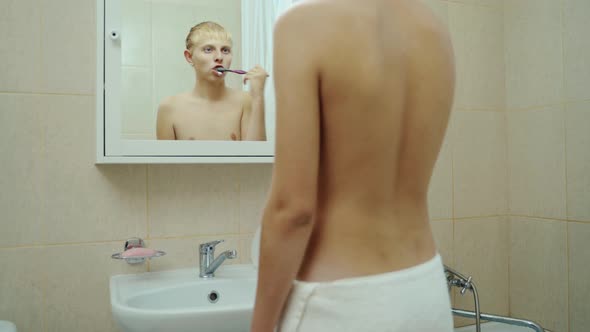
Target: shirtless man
[
  {"x": 364, "y": 91},
  {"x": 213, "y": 111}
]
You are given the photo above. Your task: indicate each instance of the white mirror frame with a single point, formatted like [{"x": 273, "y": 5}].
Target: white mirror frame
[{"x": 112, "y": 149}]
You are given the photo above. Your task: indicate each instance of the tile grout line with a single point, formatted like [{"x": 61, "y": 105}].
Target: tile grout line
[
  {"x": 41, "y": 72},
  {"x": 539, "y": 107},
  {"x": 239, "y": 189},
  {"x": 507, "y": 163},
  {"x": 568, "y": 280},
  {"x": 147, "y": 204},
  {"x": 507, "y": 194},
  {"x": 539, "y": 218},
  {"x": 453, "y": 215},
  {"x": 564, "y": 110},
  {"x": 47, "y": 93},
  {"x": 72, "y": 244},
  {"x": 44, "y": 278},
  {"x": 508, "y": 208},
  {"x": 147, "y": 212},
  {"x": 463, "y": 219},
  {"x": 509, "y": 265},
  {"x": 152, "y": 61},
  {"x": 550, "y": 219}
]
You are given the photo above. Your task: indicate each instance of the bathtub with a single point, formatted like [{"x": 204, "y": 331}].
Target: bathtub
[{"x": 494, "y": 327}]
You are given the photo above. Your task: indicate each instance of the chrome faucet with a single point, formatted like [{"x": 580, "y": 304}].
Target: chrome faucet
[{"x": 207, "y": 264}]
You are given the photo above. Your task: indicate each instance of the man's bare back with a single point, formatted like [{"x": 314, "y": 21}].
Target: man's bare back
[
  {"x": 386, "y": 91},
  {"x": 189, "y": 117}
]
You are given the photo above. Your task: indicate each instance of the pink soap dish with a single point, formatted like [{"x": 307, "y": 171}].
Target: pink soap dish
[{"x": 138, "y": 255}]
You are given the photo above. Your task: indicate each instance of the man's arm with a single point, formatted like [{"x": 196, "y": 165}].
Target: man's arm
[
  {"x": 164, "y": 123},
  {"x": 253, "y": 125},
  {"x": 288, "y": 216}
]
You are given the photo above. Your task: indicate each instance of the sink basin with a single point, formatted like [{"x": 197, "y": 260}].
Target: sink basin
[{"x": 179, "y": 301}]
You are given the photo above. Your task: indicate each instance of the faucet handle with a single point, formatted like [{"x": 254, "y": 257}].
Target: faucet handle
[{"x": 209, "y": 246}]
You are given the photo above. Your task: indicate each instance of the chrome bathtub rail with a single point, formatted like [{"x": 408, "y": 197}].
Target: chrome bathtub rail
[
  {"x": 500, "y": 319},
  {"x": 456, "y": 279}
]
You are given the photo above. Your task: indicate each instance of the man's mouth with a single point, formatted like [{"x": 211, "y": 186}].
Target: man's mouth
[{"x": 219, "y": 70}]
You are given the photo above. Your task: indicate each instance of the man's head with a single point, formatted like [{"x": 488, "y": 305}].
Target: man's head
[
  {"x": 207, "y": 31},
  {"x": 208, "y": 45}
]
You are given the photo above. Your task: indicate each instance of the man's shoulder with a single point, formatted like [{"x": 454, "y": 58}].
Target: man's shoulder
[
  {"x": 305, "y": 28},
  {"x": 307, "y": 16},
  {"x": 311, "y": 7},
  {"x": 170, "y": 103}
]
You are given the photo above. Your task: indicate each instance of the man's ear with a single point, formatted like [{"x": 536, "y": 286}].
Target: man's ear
[{"x": 188, "y": 56}]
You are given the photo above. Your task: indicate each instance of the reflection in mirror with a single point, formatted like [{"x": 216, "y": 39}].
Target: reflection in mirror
[{"x": 173, "y": 87}]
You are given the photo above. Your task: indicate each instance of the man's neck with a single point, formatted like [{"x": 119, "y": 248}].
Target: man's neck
[{"x": 210, "y": 90}]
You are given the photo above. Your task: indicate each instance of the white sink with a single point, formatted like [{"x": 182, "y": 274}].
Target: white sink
[{"x": 179, "y": 301}]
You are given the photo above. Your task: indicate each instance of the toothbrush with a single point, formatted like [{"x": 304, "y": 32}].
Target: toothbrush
[{"x": 237, "y": 71}]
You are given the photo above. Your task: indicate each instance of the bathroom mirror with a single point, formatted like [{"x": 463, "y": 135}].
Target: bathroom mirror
[{"x": 142, "y": 65}]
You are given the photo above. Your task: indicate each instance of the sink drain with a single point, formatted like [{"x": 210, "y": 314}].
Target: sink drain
[{"x": 213, "y": 297}]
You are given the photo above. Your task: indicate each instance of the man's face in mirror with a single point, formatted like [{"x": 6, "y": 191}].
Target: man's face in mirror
[{"x": 209, "y": 54}]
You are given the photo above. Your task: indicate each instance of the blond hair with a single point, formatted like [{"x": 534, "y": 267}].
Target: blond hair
[{"x": 204, "y": 30}]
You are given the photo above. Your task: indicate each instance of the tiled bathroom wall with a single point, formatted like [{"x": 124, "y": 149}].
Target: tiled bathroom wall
[
  {"x": 548, "y": 117},
  {"x": 508, "y": 202},
  {"x": 472, "y": 164}
]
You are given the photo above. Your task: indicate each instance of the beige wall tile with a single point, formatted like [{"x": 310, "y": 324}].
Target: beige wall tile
[
  {"x": 138, "y": 116},
  {"x": 88, "y": 203},
  {"x": 170, "y": 80},
  {"x": 578, "y": 160},
  {"x": 245, "y": 251},
  {"x": 85, "y": 202},
  {"x": 21, "y": 179},
  {"x": 482, "y": 251},
  {"x": 171, "y": 22},
  {"x": 579, "y": 275},
  {"x": 576, "y": 46},
  {"x": 534, "y": 59},
  {"x": 443, "y": 235},
  {"x": 536, "y": 163},
  {"x": 193, "y": 199},
  {"x": 479, "y": 154},
  {"x": 184, "y": 252},
  {"x": 478, "y": 40},
  {"x": 538, "y": 270},
  {"x": 68, "y": 44},
  {"x": 77, "y": 289},
  {"x": 20, "y": 45},
  {"x": 440, "y": 192},
  {"x": 22, "y": 288},
  {"x": 255, "y": 183},
  {"x": 136, "y": 48}
]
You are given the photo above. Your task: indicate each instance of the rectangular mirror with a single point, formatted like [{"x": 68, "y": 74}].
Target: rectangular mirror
[{"x": 161, "y": 93}]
